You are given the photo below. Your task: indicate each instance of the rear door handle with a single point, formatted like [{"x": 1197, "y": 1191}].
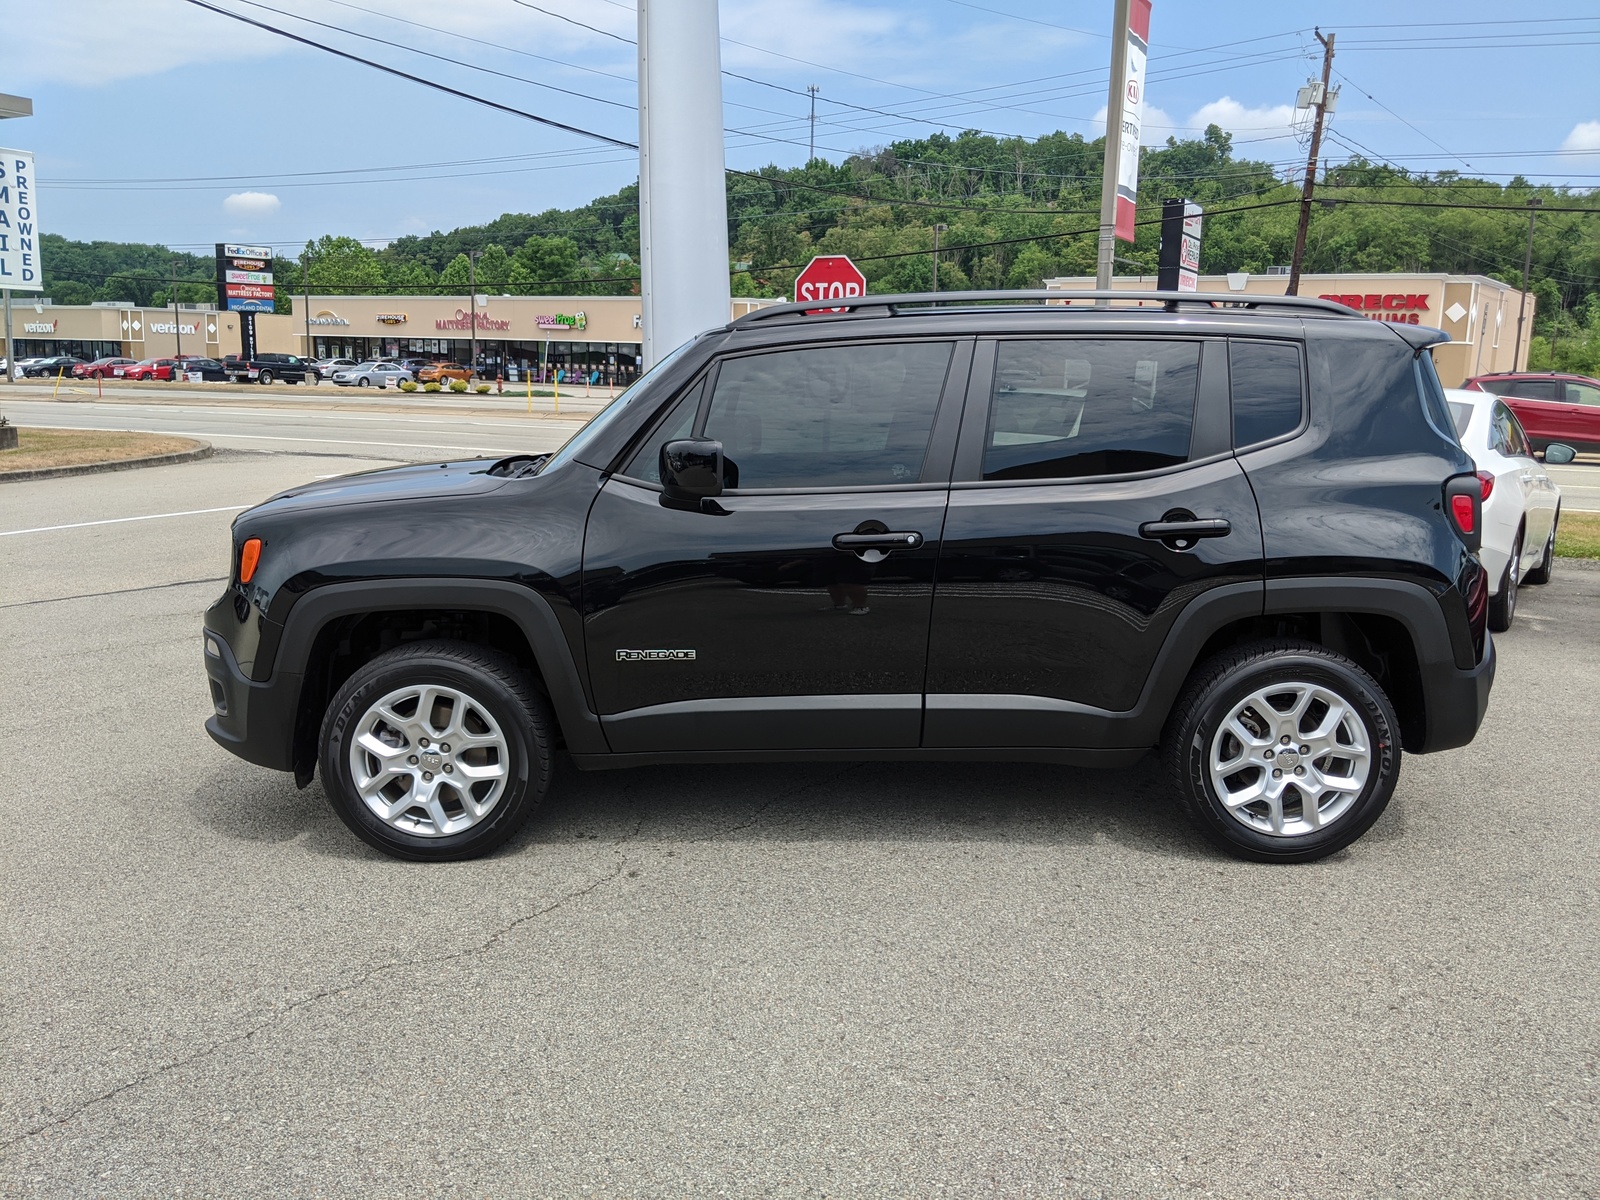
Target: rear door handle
[
  {"x": 1194, "y": 527},
  {"x": 856, "y": 542}
]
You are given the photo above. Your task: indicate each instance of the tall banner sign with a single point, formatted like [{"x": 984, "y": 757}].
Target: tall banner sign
[
  {"x": 1132, "y": 118},
  {"x": 244, "y": 286},
  {"x": 1178, "y": 264},
  {"x": 20, "y": 268}
]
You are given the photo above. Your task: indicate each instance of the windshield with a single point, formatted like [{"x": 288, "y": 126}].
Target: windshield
[
  {"x": 1461, "y": 414},
  {"x": 640, "y": 388}
]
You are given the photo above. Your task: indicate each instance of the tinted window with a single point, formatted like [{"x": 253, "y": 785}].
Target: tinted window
[
  {"x": 1496, "y": 387},
  {"x": 678, "y": 423},
  {"x": 1532, "y": 389},
  {"x": 1267, "y": 388},
  {"x": 1071, "y": 407},
  {"x": 1462, "y": 415},
  {"x": 1582, "y": 393},
  {"x": 833, "y": 416}
]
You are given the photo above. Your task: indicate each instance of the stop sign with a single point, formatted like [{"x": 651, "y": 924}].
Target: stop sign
[{"x": 829, "y": 277}]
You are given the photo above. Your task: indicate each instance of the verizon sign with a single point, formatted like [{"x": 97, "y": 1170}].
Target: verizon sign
[{"x": 20, "y": 268}]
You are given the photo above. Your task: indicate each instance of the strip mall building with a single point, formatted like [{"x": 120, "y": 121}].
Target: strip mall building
[
  {"x": 584, "y": 334},
  {"x": 1479, "y": 313}
]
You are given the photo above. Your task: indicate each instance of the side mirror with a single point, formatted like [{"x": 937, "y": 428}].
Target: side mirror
[
  {"x": 1559, "y": 454},
  {"x": 691, "y": 471}
]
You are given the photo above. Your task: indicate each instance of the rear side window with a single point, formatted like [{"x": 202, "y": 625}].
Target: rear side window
[
  {"x": 1268, "y": 390},
  {"x": 1462, "y": 414},
  {"x": 829, "y": 416},
  {"x": 1066, "y": 408}
]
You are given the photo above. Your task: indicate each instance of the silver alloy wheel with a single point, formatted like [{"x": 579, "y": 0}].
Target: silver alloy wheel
[
  {"x": 429, "y": 760},
  {"x": 1290, "y": 759}
]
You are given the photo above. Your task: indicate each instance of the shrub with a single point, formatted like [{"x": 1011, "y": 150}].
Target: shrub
[
  {"x": 431, "y": 387},
  {"x": 458, "y": 385},
  {"x": 482, "y": 389},
  {"x": 408, "y": 385}
]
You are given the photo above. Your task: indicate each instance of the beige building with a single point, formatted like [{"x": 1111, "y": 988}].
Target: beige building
[
  {"x": 91, "y": 331},
  {"x": 1479, "y": 313}
]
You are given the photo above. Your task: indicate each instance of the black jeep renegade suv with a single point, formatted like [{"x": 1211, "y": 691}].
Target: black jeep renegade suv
[{"x": 971, "y": 526}]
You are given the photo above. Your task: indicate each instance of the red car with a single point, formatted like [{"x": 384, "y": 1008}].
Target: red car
[
  {"x": 101, "y": 368},
  {"x": 153, "y": 368},
  {"x": 1552, "y": 407}
]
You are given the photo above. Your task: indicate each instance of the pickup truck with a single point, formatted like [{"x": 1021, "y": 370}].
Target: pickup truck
[{"x": 269, "y": 368}]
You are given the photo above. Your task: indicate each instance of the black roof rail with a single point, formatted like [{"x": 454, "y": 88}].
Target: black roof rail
[{"x": 921, "y": 301}]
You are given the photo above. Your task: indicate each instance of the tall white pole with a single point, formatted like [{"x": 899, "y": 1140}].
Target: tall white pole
[
  {"x": 1115, "y": 99},
  {"x": 683, "y": 203}
]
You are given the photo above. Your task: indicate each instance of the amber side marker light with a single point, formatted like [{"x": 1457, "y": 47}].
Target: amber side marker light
[{"x": 249, "y": 556}]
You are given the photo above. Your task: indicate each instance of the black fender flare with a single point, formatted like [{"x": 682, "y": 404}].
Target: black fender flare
[{"x": 528, "y": 610}]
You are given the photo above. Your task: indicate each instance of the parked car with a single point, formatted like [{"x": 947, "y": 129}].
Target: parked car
[
  {"x": 1521, "y": 503},
  {"x": 101, "y": 368},
  {"x": 372, "y": 374},
  {"x": 440, "y": 372},
  {"x": 209, "y": 370},
  {"x": 152, "y": 368},
  {"x": 40, "y": 368},
  {"x": 1552, "y": 407},
  {"x": 269, "y": 368},
  {"x": 963, "y": 526},
  {"x": 325, "y": 367}
]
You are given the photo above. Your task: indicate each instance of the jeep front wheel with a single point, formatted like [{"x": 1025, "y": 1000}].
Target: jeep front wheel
[
  {"x": 436, "y": 750},
  {"x": 1283, "y": 751}
]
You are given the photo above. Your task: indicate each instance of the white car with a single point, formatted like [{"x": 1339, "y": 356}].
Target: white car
[
  {"x": 326, "y": 367},
  {"x": 1521, "y": 503},
  {"x": 372, "y": 374}
]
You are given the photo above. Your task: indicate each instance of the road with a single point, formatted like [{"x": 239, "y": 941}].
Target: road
[{"x": 880, "y": 979}]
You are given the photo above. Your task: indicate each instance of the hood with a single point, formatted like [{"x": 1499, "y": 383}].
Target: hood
[{"x": 469, "y": 477}]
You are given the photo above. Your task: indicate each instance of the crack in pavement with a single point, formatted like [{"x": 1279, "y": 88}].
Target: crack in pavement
[
  {"x": 487, "y": 944},
  {"x": 153, "y": 587}
]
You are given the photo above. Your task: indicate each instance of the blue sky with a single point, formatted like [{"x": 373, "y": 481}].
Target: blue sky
[{"x": 159, "y": 121}]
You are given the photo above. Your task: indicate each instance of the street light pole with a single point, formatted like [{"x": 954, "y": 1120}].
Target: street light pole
[
  {"x": 472, "y": 301},
  {"x": 937, "y": 230},
  {"x": 813, "y": 151},
  {"x": 305, "y": 285},
  {"x": 177, "y": 324},
  {"x": 1527, "y": 268}
]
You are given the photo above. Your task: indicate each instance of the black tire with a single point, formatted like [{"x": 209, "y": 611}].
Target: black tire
[
  {"x": 265, "y": 377},
  {"x": 493, "y": 682},
  {"x": 1217, "y": 686},
  {"x": 1503, "y": 604},
  {"x": 1547, "y": 565}
]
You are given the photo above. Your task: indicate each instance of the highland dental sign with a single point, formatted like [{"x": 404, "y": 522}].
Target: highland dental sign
[{"x": 19, "y": 237}]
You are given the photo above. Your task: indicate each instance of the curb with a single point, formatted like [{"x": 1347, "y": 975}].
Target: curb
[{"x": 203, "y": 450}]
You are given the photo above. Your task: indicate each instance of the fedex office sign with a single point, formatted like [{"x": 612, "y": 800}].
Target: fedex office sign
[
  {"x": 1400, "y": 307},
  {"x": 19, "y": 226}
]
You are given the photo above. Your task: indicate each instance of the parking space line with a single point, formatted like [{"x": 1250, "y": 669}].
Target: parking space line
[{"x": 192, "y": 512}]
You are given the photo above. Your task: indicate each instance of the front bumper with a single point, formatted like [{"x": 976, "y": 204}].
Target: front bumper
[
  {"x": 253, "y": 720},
  {"x": 1455, "y": 700}
]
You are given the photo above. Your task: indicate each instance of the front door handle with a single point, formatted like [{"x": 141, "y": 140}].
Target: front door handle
[
  {"x": 857, "y": 542},
  {"x": 1192, "y": 527}
]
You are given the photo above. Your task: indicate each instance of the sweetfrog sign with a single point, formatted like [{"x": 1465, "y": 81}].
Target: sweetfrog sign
[{"x": 20, "y": 268}]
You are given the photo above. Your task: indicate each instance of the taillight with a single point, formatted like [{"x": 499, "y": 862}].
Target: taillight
[
  {"x": 1463, "y": 500},
  {"x": 249, "y": 556},
  {"x": 1485, "y": 484}
]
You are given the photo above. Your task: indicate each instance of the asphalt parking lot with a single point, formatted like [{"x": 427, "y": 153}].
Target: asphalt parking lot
[{"x": 831, "y": 980}]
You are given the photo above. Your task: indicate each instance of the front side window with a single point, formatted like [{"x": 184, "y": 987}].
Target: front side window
[
  {"x": 1583, "y": 393},
  {"x": 1066, "y": 408},
  {"x": 829, "y": 416},
  {"x": 1268, "y": 389}
]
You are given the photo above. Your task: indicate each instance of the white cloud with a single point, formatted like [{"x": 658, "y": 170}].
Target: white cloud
[
  {"x": 1584, "y": 136},
  {"x": 251, "y": 204},
  {"x": 1235, "y": 118}
]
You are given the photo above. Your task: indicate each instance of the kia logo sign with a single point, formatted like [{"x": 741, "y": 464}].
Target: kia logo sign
[{"x": 1133, "y": 91}]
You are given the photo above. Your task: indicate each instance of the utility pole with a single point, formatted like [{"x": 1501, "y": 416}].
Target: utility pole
[
  {"x": 813, "y": 151},
  {"x": 937, "y": 230},
  {"x": 305, "y": 286},
  {"x": 472, "y": 301},
  {"x": 1527, "y": 268},
  {"x": 177, "y": 323},
  {"x": 1309, "y": 186}
]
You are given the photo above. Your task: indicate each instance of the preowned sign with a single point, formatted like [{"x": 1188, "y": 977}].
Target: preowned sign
[{"x": 20, "y": 269}]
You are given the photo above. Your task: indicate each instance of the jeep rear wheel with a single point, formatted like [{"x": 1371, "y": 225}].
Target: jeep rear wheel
[
  {"x": 1283, "y": 751},
  {"x": 436, "y": 750}
]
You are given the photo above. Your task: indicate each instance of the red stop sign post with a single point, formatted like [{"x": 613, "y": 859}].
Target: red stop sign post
[{"x": 829, "y": 277}]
